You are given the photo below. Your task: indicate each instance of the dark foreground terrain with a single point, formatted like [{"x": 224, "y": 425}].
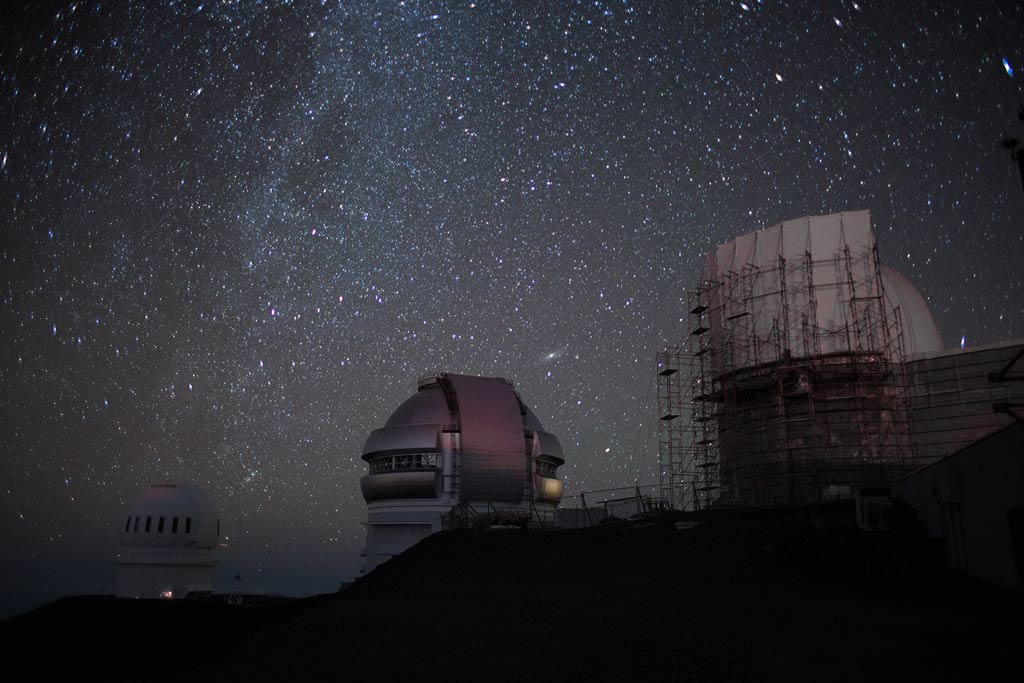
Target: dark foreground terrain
[{"x": 790, "y": 595}]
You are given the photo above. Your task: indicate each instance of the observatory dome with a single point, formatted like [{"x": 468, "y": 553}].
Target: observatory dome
[
  {"x": 920, "y": 332},
  {"x": 428, "y": 406},
  {"x": 171, "y": 516},
  {"x": 459, "y": 441},
  {"x": 799, "y": 327},
  {"x": 415, "y": 423},
  {"x": 167, "y": 542}
]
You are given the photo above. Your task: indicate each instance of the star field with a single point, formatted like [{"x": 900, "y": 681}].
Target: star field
[{"x": 236, "y": 233}]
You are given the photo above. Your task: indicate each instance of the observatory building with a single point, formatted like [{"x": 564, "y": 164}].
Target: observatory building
[
  {"x": 459, "y": 445},
  {"x": 809, "y": 371},
  {"x": 168, "y": 538},
  {"x": 789, "y": 385}
]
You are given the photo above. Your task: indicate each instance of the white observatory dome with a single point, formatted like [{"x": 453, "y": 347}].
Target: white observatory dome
[
  {"x": 761, "y": 286},
  {"x": 167, "y": 541},
  {"x": 799, "y": 328},
  {"x": 920, "y": 332}
]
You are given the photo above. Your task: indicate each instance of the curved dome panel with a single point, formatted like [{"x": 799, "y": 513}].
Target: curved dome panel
[
  {"x": 415, "y": 425},
  {"x": 549, "y": 445},
  {"x": 402, "y": 438},
  {"x": 531, "y": 420},
  {"x": 919, "y": 329},
  {"x": 492, "y": 438},
  {"x": 428, "y": 406}
]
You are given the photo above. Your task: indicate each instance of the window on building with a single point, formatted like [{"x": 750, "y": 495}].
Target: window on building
[
  {"x": 406, "y": 462},
  {"x": 128, "y": 524},
  {"x": 188, "y": 525},
  {"x": 545, "y": 468},
  {"x": 135, "y": 529},
  {"x": 149, "y": 523},
  {"x": 160, "y": 526},
  {"x": 174, "y": 525}
]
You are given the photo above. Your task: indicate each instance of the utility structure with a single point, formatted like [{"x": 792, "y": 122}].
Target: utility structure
[
  {"x": 788, "y": 385},
  {"x": 686, "y": 439}
]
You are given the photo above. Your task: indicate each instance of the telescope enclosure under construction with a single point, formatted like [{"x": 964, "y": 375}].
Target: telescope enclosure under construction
[{"x": 789, "y": 385}]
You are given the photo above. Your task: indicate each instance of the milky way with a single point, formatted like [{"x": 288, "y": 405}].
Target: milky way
[{"x": 235, "y": 233}]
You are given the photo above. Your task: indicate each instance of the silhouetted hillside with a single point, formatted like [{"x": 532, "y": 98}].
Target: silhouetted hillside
[
  {"x": 739, "y": 597},
  {"x": 801, "y": 595}
]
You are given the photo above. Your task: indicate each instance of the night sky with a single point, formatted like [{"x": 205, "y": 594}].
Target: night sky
[{"x": 236, "y": 233}]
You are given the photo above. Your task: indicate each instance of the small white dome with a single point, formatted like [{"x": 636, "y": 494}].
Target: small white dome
[
  {"x": 178, "y": 516},
  {"x": 168, "y": 539}
]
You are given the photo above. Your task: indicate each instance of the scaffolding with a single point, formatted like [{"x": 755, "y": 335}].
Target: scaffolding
[
  {"x": 687, "y": 442},
  {"x": 675, "y": 437},
  {"x": 789, "y": 385}
]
